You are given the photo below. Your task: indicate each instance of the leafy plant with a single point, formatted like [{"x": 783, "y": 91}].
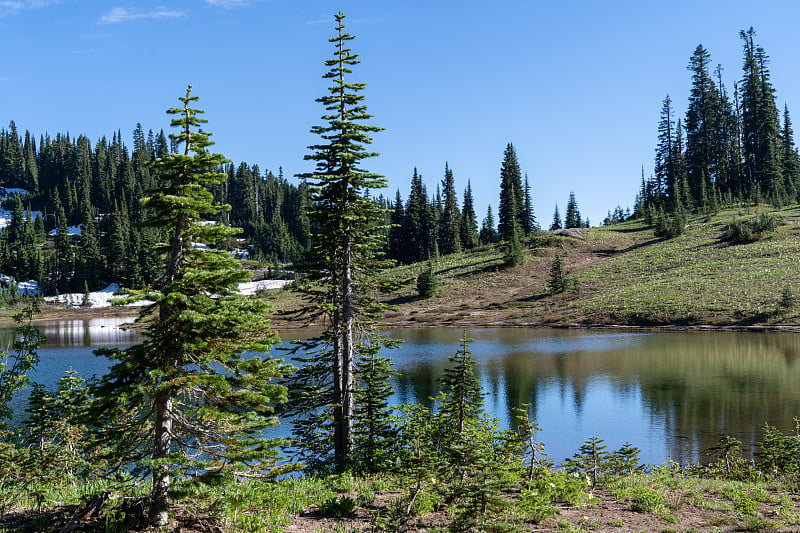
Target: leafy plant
[
  {"x": 590, "y": 461},
  {"x": 750, "y": 230},
  {"x": 427, "y": 283},
  {"x": 787, "y": 300},
  {"x": 646, "y": 500},
  {"x": 337, "y": 507}
]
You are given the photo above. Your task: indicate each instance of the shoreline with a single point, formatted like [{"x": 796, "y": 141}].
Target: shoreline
[{"x": 54, "y": 314}]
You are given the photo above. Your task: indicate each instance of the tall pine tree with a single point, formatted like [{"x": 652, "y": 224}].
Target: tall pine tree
[
  {"x": 343, "y": 262},
  {"x": 449, "y": 235},
  {"x": 185, "y": 401}
]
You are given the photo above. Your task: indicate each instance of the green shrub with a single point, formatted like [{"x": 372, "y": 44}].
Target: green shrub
[
  {"x": 337, "y": 507},
  {"x": 646, "y": 500},
  {"x": 669, "y": 226},
  {"x": 536, "y": 506},
  {"x": 750, "y": 230},
  {"x": 787, "y": 300},
  {"x": 427, "y": 283}
]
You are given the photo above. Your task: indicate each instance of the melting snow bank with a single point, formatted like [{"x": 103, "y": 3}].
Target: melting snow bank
[
  {"x": 251, "y": 287},
  {"x": 100, "y": 298},
  {"x": 103, "y": 297}
]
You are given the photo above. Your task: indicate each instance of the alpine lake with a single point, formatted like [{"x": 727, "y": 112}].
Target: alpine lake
[{"x": 672, "y": 394}]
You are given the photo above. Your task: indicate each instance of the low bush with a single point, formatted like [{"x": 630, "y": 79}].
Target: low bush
[{"x": 743, "y": 231}]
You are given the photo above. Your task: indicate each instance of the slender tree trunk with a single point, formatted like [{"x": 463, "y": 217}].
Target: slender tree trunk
[
  {"x": 348, "y": 402},
  {"x": 162, "y": 443},
  {"x": 339, "y": 446}
]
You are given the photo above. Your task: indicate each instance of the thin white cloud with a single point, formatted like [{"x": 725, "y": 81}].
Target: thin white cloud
[
  {"x": 228, "y": 4},
  {"x": 15, "y": 6},
  {"x": 124, "y": 14}
]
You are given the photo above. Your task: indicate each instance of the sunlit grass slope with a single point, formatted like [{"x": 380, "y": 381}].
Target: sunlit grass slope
[
  {"x": 696, "y": 277},
  {"x": 624, "y": 275}
]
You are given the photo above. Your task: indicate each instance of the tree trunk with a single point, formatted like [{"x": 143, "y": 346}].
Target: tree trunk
[{"x": 159, "y": 509}]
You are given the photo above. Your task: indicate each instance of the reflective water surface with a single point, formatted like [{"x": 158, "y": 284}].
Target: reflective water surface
[{"x": 671, "y": 394}]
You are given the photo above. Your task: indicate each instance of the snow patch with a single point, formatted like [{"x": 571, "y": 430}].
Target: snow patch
[
  {"x": 251, "y": 287},
  {"x": 71, "y": 230},
  {"x": 101, "y": 298}
]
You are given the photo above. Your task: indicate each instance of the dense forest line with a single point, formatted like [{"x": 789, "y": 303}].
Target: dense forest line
[
  {"x": 86, "y": 198},
  {"x": 75, "y": 214},
  {"x": 728, "y": 148}
]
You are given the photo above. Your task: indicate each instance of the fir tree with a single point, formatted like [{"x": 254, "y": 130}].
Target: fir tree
[
  {"x": 790, "y": 161},
  {"x": 397, "y": 236},
  {"x": 469, "y": 224},
  {"x": 463, "y": 396},
  {"x": 558, "y": 277},
  {"x": 529, "y": 224},
  {"x": 510, "y": 212},
  {"x": 666, "y": 156},
  {"x": 488, "y": 234},
  {"x": 556, "y": 224},
  {"x": 450, "y": 222},
  {"x": 344, "y": 267},
  {"x": 417, "y": 226},
  {"x": 572, "y": 217},
  {"x": 373, "y": 433},
  {"x": 185, "y": 400},
  {"x": 702, "y": 125},
  {"x": 760, "y": 129}
]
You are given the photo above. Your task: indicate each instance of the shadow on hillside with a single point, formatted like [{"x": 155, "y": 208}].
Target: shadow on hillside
[
  {"x": 400, "y": 300},
  {"x": 755, "y": 319},
  {"x": 470, "y": 266},
  {"x": 628, "y": 230},
  {"x": 641, "y": 245},
  {"x": 532, "y": 298}
]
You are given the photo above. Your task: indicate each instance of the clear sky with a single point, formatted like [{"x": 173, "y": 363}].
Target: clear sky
[{"x": 575, "y": 85}]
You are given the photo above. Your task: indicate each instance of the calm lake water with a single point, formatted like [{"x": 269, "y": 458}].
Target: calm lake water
[{"x": 671, "y": 394}]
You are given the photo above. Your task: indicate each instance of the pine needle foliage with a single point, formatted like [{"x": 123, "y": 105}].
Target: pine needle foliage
[
  {"x": 463, "y": 396},
  {"x": 23, "y": 357},
  {"x": 187, "y": 400},
  {"x": 343, "y": 266}
]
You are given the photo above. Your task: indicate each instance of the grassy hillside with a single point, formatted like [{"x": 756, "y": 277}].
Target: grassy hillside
[{"x": 624, "y": 275}]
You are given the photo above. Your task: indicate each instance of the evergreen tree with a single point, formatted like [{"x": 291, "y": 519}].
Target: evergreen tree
[
  {"x": 488, "y": 233},
  {"x": 462, "y": 393},
  {"x": 64, "y": 256},
  {"x": 418, "y": 222},
  {"x": 119, "y": 243},
  {"x": 528, "y": 220},
  {"x": 572, "y": 217},
  {"x": 373, "y": 432},
  {"x": 760, "y": 129},
  {"x": 449, "y": 225},
  {"x": 514, "y": 250},
  {"x": 666, "y": 156},
  {"x": 89, "y": 259},
  {"x": 397, "y": 235},
  {"x": 344, "y": 268},
  {"x": 704, "y": 124},
  {"x": 556, "y": 224},
  {"x": 469, "y": 222},
  {"x": 185, "y": 400},
  {"x": 510, "y": 212},
  {"x": 558, "y": 277},
  {"x": 11, "y": 159},
  {"x": 790, "y": 161}
]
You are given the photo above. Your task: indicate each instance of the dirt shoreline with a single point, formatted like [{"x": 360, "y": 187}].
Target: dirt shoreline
[{"x": 53, "y": 313}]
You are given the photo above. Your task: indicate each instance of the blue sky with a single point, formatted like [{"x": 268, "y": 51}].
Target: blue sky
[{"x": 576, "y": 85}]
